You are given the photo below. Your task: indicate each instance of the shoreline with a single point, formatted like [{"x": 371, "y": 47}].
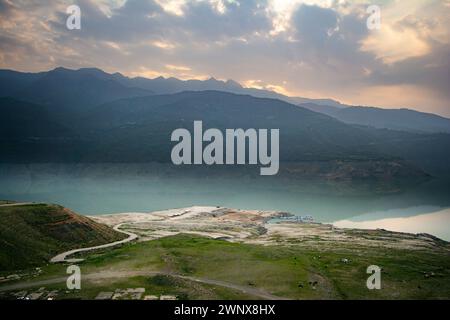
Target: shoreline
[
  {"x": 255, "y": 227},
  {"x": 222, "y": 253}
]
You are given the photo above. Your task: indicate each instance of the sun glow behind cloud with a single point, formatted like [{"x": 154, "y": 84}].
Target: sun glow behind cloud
[
  {"x": 392, "y": 45},
  {"x": 172, "y": 6},
  {"x": 319, "y": 49},
  {"x": 259, "y": 84},
  {"x": 405, "y": 33}
]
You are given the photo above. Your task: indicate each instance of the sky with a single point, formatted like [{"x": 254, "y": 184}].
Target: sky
[{"x": 308, "y": 48}]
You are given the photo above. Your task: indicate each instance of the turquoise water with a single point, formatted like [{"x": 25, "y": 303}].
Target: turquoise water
[{"x": 111, "y": 188}]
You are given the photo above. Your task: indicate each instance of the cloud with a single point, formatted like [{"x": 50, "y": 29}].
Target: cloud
[
  {"x": 392, "y": 46},
  {"x": 317, "y": 48},
  {"x": 314, "y": 26},
  {"x": 259, "y": 84},
  {"x": 408, "y": 31}
]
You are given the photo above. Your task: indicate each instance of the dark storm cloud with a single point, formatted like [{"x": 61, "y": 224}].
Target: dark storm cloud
[
  {"x": 432, "y": 71},
  {"x": 314, "y": 25},
  {"x": 236, "y": 21},
  {"x": 131, "y": 22},
  {"x": 319, "y": 51},
  {"x": 330, "y": 44},
  {"x": 139, "y": 20},
  {"x": 5, "y": 7}
]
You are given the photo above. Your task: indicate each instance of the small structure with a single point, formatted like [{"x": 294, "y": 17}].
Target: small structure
[
  {"x": 298, "y": 219},
  {"x": 104, "y": 295},
  {"x": 34, "y": 295},
  {"x": 128, "y": 294}
]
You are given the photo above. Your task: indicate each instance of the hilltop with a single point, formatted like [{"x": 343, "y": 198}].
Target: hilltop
[{"x": 30, "y": 234}]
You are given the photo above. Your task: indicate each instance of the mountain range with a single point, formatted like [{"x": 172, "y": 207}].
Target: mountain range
[
  {"x": 88, "y": 115},
  {"x": 91, "y": 86}
]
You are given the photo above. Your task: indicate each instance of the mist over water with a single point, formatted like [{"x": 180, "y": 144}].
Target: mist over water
[{"x": 93, "y": 189}]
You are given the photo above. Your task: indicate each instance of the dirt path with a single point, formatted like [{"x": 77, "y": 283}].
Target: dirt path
[
  {"x": 62, "y": 257},
  {"x": 247, "y": 290},
  {"x": 16, "y": 204},
  {"x": 126, "y": 274}
]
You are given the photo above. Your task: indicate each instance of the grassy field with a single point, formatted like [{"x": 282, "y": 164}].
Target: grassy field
[
  {"x": 196, "y": 267},
  {"x": 285, "y": 271}
]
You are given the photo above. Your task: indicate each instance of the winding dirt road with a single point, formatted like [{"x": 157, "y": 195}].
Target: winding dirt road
[{"x": 62, "y": 257}]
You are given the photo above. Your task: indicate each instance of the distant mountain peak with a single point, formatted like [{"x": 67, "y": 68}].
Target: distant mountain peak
[
  {"x": 212, "y": 79},
  {"x": 92, "y": 69},
  {"x": 233, "y": 84},
  {"x": 61, "y": 69},
  {"x": 118, "y": 75}
]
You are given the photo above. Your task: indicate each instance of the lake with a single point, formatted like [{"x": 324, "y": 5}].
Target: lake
[{"x": 93, "y": 189}]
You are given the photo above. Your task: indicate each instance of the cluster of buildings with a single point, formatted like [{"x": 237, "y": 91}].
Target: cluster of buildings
[
  {"x": 118, "y": 294},
  {"x": 18, "y": 276},
  {"x": 131, "y": 294},
  {"x": 298, "y": 219},
  {"x": 39, "y": 294}
]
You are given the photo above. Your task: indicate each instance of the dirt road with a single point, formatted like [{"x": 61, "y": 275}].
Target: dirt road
[
  {"x": 16, "y": 204},
  {"x": 62, "y": 257},
  {"x": 260, "y": 293}
]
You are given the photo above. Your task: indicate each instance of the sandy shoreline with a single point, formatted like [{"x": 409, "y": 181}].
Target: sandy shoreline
[{"x": 252, "y": 226}]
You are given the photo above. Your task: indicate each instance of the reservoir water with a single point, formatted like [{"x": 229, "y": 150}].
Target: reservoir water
[{"x": 93, "y": 189}]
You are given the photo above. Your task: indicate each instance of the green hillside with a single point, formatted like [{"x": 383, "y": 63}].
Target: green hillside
[{"x": 31, "y": 234}]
